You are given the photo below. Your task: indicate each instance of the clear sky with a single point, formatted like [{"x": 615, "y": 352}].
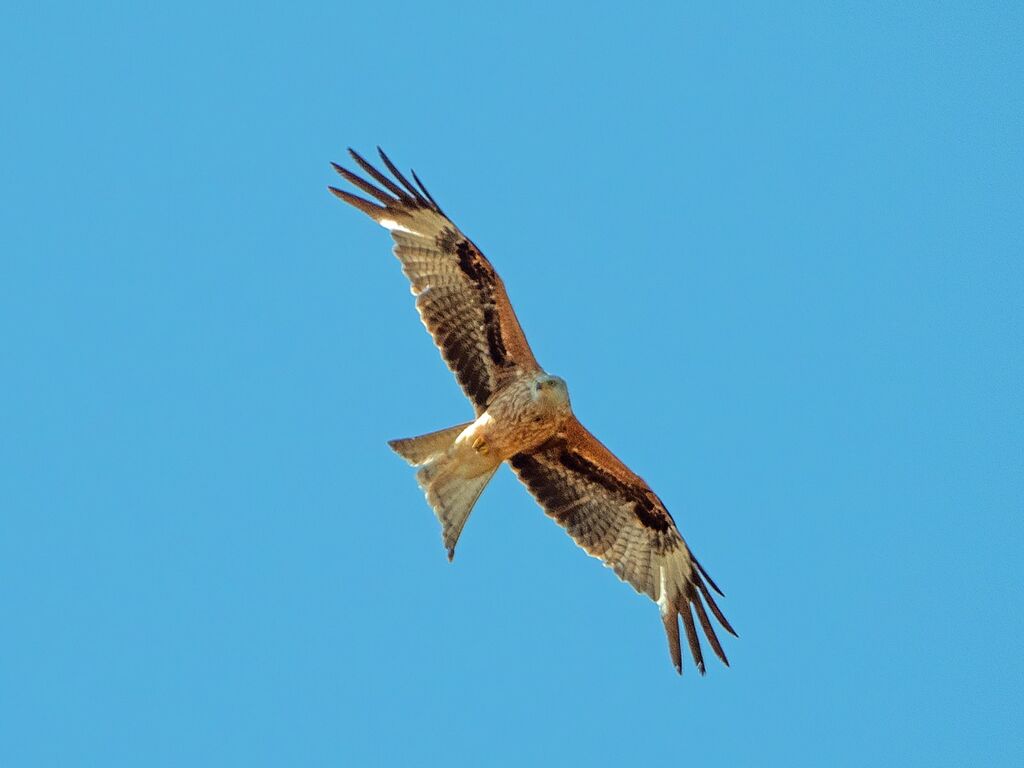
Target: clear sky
[{"x": 777, "y": 255}]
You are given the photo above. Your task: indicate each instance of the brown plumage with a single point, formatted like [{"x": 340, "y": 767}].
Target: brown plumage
[
  {"x": 523, "y": 416},
  {"x": 460, "y": 298}
]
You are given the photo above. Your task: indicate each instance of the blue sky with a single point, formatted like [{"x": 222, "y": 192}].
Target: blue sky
[{"x": 775, "y": 252}]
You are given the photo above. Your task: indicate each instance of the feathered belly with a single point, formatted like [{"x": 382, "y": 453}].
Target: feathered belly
[{"x": 514, "y": 422}]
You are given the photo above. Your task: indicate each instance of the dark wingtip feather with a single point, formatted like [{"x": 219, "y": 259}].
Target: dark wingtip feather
[
  {"x": 380, "y": 178},
  {"x": 709, "y": 630},
  {"x": 715, "y": 609},
  {"x": 671, "y": 622},
  {"x": 401, "y": 178},
  {"x": 403, "y": 190},
  {"x": 370, "y": 209},
  {"x": 364, "y": 185},
  {"x": 451, "y": 554},
  {"x": 423, "y": 188},
  {"x": 705, "y": 575},
  {"x": 691, "y": 636}
]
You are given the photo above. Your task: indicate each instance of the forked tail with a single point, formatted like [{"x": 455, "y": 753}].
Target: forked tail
[{"x": 451, "y": 480}]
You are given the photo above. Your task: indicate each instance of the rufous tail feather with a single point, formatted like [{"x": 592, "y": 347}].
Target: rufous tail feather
[{"x": 450, "y": 489}]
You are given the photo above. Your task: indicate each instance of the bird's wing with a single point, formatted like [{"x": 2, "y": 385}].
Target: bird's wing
[
  {"x": 615, "y": 516},
  {"x": 459, "y": 296}
]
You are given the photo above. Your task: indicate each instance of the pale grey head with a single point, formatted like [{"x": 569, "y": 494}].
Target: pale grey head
[{"x": 551, "y": 391}]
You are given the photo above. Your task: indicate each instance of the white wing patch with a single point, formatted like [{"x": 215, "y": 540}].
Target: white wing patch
[
  {"x": 663, "y": 605},
  {"x": 393, "y": 226}
]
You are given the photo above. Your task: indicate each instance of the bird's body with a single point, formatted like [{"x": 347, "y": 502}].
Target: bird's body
[
  {"x": 525, "y": 413},
  {"x": 456, "y": 464},
  {"x": 523, "y": 416}
]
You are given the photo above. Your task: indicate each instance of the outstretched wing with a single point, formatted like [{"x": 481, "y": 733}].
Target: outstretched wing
[
  {"x": 459, "y": 296},
  {"x": 615, "y": 516}
]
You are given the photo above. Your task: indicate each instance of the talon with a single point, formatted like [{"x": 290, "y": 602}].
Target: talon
[{"x": 479, "y": 445}]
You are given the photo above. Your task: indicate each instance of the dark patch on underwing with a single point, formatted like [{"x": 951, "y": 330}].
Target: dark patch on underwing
[
  {"x": 650, "y": 514},
  {"x": 495, "y": 344},
  {"x": 524, "y": 462},
  {"x": 475, "y": 267},
  {"x": 576, "y": 463},
  {"x": 648, "y": 511},
  {"x": 472, "y": 264},
  {"x": 446, "y": 240},
  {"x": 550, "y": 491}
]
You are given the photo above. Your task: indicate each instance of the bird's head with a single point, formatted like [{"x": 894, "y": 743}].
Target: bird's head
[{"x": 551, "y": 391}]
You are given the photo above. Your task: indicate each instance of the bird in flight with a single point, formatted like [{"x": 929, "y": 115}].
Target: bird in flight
[{"x": 523, "y": 417}]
